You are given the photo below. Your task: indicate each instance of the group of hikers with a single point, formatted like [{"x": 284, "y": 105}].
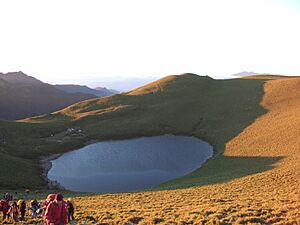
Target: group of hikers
[{"x": 55, "y": 210}]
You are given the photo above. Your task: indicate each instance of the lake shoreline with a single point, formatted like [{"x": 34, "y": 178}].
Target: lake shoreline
[
  {"x": 46, "y": 165},
  {"x": 157, "y": 164}
]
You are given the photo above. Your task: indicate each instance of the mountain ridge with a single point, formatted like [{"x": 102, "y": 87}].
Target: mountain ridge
[
  {"x": 74, "y": 88},
  {"x": 245, "y": 73},
  {"x": 19, "y": 78},
  {"x": 22, "y": 96}
]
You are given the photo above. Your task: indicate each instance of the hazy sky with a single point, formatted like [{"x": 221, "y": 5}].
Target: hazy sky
[{"x": 75, "y": 40}]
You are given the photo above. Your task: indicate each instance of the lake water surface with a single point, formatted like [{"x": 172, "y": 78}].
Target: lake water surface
[{"x": 129, "y": 165}]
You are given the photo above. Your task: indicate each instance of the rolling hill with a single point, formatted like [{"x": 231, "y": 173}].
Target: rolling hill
[
  {"x": 252, "y": 123},
  {"x": 22, "y": 96}
]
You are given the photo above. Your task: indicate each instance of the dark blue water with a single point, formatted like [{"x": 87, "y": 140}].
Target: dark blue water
[{"x": 129, "y": 165}]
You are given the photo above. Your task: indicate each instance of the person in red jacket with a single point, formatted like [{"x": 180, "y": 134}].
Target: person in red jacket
[
  {"x": 49, "y": 199},
  {"x": 56, "y": 212}
]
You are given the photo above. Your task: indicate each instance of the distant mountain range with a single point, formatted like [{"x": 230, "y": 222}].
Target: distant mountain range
[
  {"x": 23, "y": 96},
  {"x": 122, "y": 84},
  {"x": 99, "y": 91},
  {"x": 245, "y": 73}
]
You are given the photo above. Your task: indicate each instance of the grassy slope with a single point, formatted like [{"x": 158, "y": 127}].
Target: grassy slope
[
  {"x": 253, "y": 177},
  {"x": 186, "y": 104}
]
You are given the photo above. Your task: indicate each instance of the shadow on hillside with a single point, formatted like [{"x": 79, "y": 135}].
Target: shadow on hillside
[
  {"x": 213, "y": 110},
  {"x": 241, "y": 94},
  {"x": 222, "y": 169}
]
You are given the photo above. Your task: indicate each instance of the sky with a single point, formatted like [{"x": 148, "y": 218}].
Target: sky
[{"x": 72, "y": 41}]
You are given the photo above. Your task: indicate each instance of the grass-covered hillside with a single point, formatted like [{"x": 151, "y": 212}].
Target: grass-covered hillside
[
  {"x": 252, "y": 123},
  {"x": 214, "y": 110}
]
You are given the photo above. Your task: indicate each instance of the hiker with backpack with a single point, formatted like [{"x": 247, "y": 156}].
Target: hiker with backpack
[
  {"x": 22, "y": 207},
  {"x": 40, "y": 210},
  {"x": 4, "y": 207},
  {"x": 49, "y": 199},
  {"x": 70, "y": 209},
  {"x": 34, "y": 206},
  {"x": 56, "y": 212},
  {"x": 14, "y": 212}
]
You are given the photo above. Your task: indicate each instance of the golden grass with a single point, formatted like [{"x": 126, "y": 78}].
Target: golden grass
[
  {"x": 153, "y": 87},
  {"x": 267, "y": 196},
  {"x": 270, "y": 197}
]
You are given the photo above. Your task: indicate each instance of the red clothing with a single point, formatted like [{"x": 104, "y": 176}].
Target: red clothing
[
  {"x": 14, "y": 210},
  {"x": 56, "y": 213},
  {"x": 4, "y": 206},
  {"x": 49, "y": 199}
]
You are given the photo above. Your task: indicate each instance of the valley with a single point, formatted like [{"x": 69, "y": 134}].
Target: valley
[{"x": 252, "y": 124}]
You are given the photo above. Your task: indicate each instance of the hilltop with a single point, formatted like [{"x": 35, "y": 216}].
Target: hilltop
[
  {"x": 252, "y": 124},
  {"x": 19, "y": 78}
]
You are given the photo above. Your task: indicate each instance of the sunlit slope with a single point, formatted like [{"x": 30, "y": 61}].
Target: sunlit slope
[
  {"x": 186, "y": 104},
  {"x": 271, "y": 196},
  {"x": 253, "y": 124},
  {"x": 214, "y": 110},
  {"x": 252, "y": 179}
]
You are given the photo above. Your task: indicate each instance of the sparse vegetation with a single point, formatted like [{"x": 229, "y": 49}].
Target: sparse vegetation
[{"x": 253, "y": 124}]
